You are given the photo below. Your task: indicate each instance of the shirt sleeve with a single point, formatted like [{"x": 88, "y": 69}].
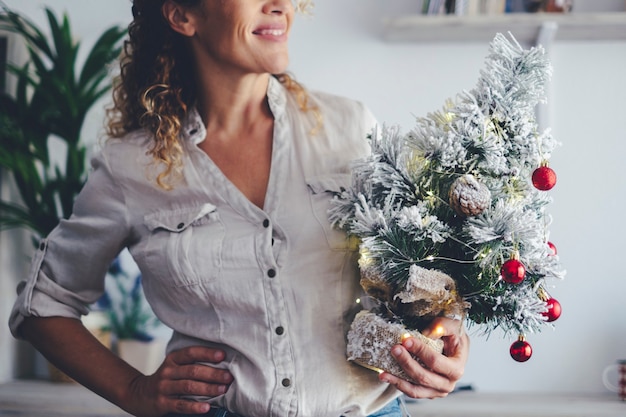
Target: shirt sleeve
[{"x": 68, "y": 268}]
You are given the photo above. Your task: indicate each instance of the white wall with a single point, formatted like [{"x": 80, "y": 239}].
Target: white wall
[{"x": 340, "y": 50}]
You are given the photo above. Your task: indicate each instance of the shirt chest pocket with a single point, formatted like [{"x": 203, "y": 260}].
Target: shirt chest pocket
[
  {"x": 185, "y": 244},
  {"x": 322, "y": 189}
]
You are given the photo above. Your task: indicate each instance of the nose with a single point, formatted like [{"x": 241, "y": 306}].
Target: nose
[{"x": 277, "y": 6}]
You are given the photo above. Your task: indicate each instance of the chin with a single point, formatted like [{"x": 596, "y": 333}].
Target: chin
[{"x": 278, "y": 64}]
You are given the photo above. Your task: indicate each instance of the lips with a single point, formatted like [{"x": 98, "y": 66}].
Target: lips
[{"x": 272, "y": 32}]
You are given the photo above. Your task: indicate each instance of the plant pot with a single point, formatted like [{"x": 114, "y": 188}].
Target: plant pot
[{"x": 144, "y": 356}]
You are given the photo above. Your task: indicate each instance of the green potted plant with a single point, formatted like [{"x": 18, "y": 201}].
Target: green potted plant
[
  {"x": 131, "y": 321},
  {"x": 130, "y": 316},
  {"x": 52, "y": 98}
]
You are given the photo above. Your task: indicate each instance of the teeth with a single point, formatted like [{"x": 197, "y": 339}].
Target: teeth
[{"x": 272, "y": 32}]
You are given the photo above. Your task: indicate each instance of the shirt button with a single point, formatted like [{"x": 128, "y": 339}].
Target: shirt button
[
  {"x": 42, "y": 246},
  {"x": 271, "y": 273},
  {"x": 266, "y": 223},
  {"x": 286, "y": 382},
  {"x": 180, "y": 226},
  {"x": 280, "y": 330}
]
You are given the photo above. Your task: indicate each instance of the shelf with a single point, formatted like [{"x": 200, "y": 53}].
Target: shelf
[
  {"x": 526, "y": 27},
  {"x": 531, "y": 404}
]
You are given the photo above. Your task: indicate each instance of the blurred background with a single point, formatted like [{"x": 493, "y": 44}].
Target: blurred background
[{"x": 342, "y": 48}]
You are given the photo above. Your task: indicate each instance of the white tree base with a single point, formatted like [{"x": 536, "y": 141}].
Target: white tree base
[{"x": 371, "y": 338}]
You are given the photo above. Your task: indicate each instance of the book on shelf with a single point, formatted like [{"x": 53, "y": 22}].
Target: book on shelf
[
  {"x": 463, "y": 7},
  {"x": 492, "y": 7}
]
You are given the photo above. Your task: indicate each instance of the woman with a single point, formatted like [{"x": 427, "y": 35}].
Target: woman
[{"x": 217, "y": 178}]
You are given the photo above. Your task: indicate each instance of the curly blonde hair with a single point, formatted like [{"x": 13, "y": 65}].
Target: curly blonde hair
[{"x": 155, "y": 87}]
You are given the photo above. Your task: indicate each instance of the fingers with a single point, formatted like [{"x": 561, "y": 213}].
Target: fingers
[
  {"x": 196, "y": 372},
  {"x": 188, "y": 372},
  {"x": 195, "y": 354},
  {"x": 195, "y": 381},
  {"x": 410, "y": 389},
  {"x": 151, "y": 396},
  {"x": 433, "y": 374},
  {"x": 451, "y": 368},
  {"x": 452, "y": 332},
  {"x": 458, "y": 347},
  {"x": 184, "y": 375},
  {"x": 429, "y": 374}
]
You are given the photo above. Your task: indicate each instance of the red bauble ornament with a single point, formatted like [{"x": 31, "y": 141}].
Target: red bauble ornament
[
  {"x": 554, "y": 310},
  {"x": 513, "y": 271},
  {"x": 544, "y": 178},
  {"x": 552, "y": 248},
  {"x": 521, "y": 350}
]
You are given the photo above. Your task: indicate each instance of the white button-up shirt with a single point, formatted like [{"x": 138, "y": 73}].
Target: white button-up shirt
[{"x": 275, "y": 288}]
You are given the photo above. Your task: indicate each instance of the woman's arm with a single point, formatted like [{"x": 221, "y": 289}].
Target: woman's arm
[
  {"x": 67, "y": 344},
  {"x": 437, "y": 374}
]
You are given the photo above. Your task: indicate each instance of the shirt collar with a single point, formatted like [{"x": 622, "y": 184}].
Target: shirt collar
[{"x": 193, "y": 129}]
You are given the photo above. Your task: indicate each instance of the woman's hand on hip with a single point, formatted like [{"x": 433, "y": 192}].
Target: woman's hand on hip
[
  {"x": 184, "y": 373},
  {"x": 435, "y": 374}
]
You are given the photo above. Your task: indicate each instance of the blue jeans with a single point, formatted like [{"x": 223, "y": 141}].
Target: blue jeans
[{"x": 390, "y": 410}]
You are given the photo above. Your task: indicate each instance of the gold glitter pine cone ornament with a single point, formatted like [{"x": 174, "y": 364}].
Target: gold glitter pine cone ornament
[
  {"x": 371, "y": 338},
  {"x": 468, "y": 196}
]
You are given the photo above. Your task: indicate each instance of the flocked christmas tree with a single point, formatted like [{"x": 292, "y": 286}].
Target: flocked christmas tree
[{"x": 452, "y": 216}]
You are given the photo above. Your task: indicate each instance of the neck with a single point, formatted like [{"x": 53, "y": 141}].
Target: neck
[{"x": 230, "y": 104}]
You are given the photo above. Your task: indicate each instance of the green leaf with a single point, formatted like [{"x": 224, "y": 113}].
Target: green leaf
[
  {"x": 23, "y": 81},
  {"x": 66, "y": 50},
  {"x": 55, "y": 30},
  {"x": 103, "y": 52},
  {"x": 49, "y": 100},
  {"x": 12, "y": 215},
  {"x": 21, "y": 25}
]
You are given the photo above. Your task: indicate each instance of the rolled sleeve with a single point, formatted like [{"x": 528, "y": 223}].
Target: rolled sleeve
[{"x": 68, "y": 268}]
